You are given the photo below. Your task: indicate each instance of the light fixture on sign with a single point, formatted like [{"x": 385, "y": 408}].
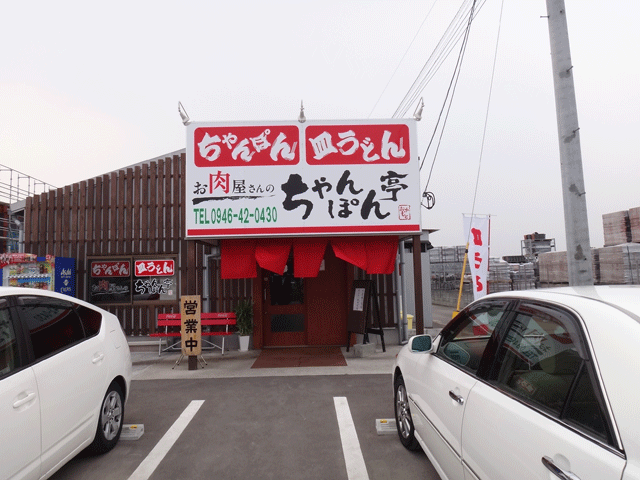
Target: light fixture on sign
[
  {"x": 430, "y": 200},
  {"x": 418, "y": 113},
  {"x": 183, "y": 114},
  {"x": 301, "y": 117}
]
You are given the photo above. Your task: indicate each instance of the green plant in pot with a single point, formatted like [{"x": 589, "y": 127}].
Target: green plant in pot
[{"x": 244, "y": 322}]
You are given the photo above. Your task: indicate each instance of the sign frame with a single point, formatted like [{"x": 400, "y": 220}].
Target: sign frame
[{"x": 353, "y": 177}]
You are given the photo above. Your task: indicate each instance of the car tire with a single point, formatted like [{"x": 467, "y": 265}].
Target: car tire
[
  {"x": 404, "y": 422},
  {"x": 110, "y": 420}
]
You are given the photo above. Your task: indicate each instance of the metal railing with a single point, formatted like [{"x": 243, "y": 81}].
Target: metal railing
[{"x": 15, "y": 187}]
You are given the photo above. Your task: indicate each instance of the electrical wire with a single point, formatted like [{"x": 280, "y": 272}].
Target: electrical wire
[
  {"x": 453, "y": 33},
  {"x": 486, "y": 117},
  {"x": 448, "y": 101},
  {"x": 440, "y": 53},
  {"x": 403, "y": 56}
]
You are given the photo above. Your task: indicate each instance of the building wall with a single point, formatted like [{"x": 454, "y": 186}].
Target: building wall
[{"x": 137, "y": 211}]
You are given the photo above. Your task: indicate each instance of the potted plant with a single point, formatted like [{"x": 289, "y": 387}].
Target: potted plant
[{"x": 244, "y": 323}]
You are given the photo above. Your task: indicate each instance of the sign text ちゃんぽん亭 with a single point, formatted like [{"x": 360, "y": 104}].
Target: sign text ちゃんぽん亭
[{"x": 355, "y": 177}]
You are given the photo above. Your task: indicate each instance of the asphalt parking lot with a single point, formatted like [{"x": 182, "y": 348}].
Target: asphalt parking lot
[
  {"x": 270, "y": 423},
  {"x": 269, "y": 427}
]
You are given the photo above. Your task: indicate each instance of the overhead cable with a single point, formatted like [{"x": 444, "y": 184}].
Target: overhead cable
[
  {"x": 456, "y": 29},
  {"x": 403, "y": 56},
  {"x": 448, "y": 100},
  {"x": 486, "y": 117}
]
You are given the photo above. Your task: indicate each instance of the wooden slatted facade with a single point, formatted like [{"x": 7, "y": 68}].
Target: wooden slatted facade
[{"x": 138, "y": 212}]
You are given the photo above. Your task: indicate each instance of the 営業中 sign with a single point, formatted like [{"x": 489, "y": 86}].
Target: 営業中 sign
[{"x": 190, "y": 325}]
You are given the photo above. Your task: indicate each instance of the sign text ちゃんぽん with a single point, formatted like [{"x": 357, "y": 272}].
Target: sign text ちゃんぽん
[{"x": 317, "y": 178}]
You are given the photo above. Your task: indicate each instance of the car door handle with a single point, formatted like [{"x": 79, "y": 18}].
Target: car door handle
[
  {"x": 456, "y": 398},
  {"x": 97, "y": 358},
  {"x": 23, "y": 401},
  {"x": 557, "y": 471}
]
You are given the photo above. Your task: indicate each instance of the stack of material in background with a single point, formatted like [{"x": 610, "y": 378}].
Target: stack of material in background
[
  {"x": 634, "y": 224},
  {"x": 619, "y": 265},
  {"x": 617, "y": 228},
  {"x": 619, "y": 260},
  {"x": 554, "y": 270},
  {"x": 449, "y": 254},
  {"x": 523, "y": 276},
  {"x": 499, "y": 275}
]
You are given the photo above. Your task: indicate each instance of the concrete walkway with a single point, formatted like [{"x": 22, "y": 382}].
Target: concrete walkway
[{"x": 147, "y": 365}]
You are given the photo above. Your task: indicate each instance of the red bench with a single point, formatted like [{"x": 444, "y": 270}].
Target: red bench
[{"x": 171, "y": 324}]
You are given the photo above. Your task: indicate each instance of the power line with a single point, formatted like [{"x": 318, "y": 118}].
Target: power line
[
  {"x": 449, "y": 39},
  {"x": 486, "y": 117},
  {"x": 448, "y": 98},
  {"x": 403, "y": 56}
]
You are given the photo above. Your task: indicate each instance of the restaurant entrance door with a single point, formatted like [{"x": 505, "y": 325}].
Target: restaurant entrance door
[
  {"x": 306, "y": 311},
  {"x": 285, "y": 316}
]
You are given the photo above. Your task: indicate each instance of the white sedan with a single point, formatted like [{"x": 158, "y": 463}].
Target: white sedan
[
  {"x": 65, "y": 373},
  {"x": 538, "y": 384}
]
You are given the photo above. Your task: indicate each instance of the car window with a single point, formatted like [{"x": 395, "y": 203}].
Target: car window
[
  {"x": 91, "y": 320},
  {"x": 9, "y": 357},
  {"x": 53, "y": 324},
  {"x": 543, "y": 361},
  {"x": 464, "y": 341}
]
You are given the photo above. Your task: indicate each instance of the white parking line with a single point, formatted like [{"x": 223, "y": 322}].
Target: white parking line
[
  {"x": 356, "y": 468},
  {"x": 149, "y": 464}
]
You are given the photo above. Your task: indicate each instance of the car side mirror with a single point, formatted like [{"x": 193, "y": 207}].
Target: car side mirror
[{"x": 421, "y": 343}]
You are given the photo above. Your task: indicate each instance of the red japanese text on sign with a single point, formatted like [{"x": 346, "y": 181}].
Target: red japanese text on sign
[
  {"x": 110, "y": 269},
  {"x": 238, "y": 146},
  {"x": 357, "y": 144},
  {"x": 477, "y": 231},
  {"x": 154, "y": 268}
]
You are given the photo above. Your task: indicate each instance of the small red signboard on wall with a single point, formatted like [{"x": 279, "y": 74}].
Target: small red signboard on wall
[
  {"x": 110, "y": 269},
  {"x": 154, "y": 268}
]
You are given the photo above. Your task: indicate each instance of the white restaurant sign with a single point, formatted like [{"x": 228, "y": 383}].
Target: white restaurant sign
[{"x": 316, "y": 178}]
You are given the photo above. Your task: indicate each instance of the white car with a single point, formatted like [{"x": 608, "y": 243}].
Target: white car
[
  {"x": 65, "y": 373},
  {"x": 535, "y": 384}
]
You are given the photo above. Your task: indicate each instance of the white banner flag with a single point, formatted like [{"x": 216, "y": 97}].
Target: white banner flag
[{"x": 476, "y": 231}]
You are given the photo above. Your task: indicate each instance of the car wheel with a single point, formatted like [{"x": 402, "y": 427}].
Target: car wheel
[
  {"x": 404, "y": 422},
  {"x": 109, "y": 420}
]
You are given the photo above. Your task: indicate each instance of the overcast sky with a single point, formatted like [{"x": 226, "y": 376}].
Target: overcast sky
[{"x": 87, "y": 88}]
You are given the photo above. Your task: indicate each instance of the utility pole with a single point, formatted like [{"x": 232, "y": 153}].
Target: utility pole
[{"x": 573, "y": 192}]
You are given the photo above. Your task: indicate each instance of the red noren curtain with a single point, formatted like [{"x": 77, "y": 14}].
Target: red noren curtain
[
  {"x": 272, "y": 253},
  {"x": 307, "y": 256},
  {"x": 372, "y": 254},
  {"x": 381, "y": 254},
  {"x": 351, "y": 249},
  {"x": 238, "y": 259}
]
